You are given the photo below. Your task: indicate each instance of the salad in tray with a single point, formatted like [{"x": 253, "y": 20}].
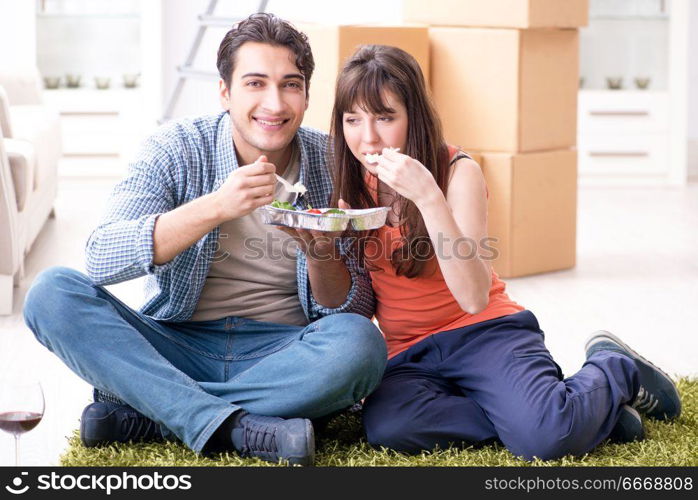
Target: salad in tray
[
  {"x": 310, "y": 210},
  {"x": 283, "y": 213}
]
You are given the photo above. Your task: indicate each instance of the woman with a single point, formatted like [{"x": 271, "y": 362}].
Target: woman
[{"x": 467, "y": 364}]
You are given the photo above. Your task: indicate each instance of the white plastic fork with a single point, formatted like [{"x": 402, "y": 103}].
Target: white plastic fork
[
  {"x": 297, "y": 188},
  {"x": 292, "y": 188}
]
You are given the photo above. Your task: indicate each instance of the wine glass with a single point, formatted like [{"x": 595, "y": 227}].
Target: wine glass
[{"x": 21, "y": 407}]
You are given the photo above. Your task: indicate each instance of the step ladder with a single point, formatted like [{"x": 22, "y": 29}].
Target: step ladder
[{"x": 186, "y": 71}]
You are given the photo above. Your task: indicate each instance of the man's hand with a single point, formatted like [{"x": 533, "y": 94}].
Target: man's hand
[{"x": 247, "y": 188}]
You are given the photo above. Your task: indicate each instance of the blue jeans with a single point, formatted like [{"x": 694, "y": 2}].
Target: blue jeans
[
  {"x": 190, "y": 376},
  {"x": 496, "y": 380}
]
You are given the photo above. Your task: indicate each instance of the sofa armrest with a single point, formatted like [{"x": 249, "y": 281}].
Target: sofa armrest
[
  {"x": 40, "y": 127},
  {"x": 5, "y": 128},
  {"x": 9, "y": 243},
  {"x": 22, "y": 165},
  {"x": 23, "y": 86}
]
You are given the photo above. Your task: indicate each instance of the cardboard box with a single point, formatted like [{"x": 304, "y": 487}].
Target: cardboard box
[
  {"x": 506, "y": 90},
  {"x": 333, "y": 45},
  {"x": 532, "y": 210},
  {"x": 499, "y": 13}
]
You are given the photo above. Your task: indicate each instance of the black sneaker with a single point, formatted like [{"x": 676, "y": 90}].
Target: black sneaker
[
  {"x": 273, "y": 439},
  {"x": 657, "y": 397},
  {"x": 103, "y": 423},
  {"x": 629, "y": 426}
]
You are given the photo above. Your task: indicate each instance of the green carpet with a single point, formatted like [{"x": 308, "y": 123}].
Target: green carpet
[{"x": 342, "y": 444}]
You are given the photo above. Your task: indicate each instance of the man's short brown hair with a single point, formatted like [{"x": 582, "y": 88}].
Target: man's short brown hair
[{"x": 264, "y": 27}]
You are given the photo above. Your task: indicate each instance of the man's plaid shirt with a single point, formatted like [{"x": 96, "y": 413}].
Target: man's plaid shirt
[{"x": 181, "y": 162}]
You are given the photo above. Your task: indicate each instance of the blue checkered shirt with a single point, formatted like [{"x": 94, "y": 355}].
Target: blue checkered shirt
[{"x": 184, "y": 160}]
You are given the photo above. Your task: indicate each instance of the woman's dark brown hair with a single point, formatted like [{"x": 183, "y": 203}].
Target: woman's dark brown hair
[
  {"x": 367, "y": 75},
  {"x": 265, "y": 28}
]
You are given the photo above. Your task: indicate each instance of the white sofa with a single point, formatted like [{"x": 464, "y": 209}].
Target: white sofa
[{"x": 29, "y": 153}]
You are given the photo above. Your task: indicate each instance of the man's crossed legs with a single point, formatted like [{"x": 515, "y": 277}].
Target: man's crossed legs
[{"x": 190, "y": 377}]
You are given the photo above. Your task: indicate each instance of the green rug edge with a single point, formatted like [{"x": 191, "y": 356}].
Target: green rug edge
[{"x": 342, "y": 445}]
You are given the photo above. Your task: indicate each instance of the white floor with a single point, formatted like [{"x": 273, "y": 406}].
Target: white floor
[{"x": 636, "y": 275}]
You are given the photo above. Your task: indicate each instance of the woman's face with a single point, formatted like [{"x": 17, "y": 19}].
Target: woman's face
[{"x": 367, "y": 133}]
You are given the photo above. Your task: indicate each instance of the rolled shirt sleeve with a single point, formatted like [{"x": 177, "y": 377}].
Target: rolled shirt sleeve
[{"x": 121, "y": 248}]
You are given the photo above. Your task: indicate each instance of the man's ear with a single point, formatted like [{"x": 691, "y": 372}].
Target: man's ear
[
  {"x": 224, "y": 94},
  {"x": 307, "y": 100}
]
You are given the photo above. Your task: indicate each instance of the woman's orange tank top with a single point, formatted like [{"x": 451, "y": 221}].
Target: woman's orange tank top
[{"x": 410, "y": 309}]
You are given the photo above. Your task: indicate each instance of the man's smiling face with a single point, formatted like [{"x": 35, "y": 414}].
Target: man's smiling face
[{"x": 266, "y": 100}]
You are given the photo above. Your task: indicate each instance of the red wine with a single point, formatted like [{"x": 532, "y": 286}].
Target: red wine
[{"x": 18, "y": 422}]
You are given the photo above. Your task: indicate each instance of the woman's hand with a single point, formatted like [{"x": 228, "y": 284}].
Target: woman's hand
[
  {"x": 317, "y": 245},
  {"x": 408, "y": 177}
]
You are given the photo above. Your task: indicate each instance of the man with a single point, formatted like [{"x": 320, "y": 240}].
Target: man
[{"x": 229, "y": 350}]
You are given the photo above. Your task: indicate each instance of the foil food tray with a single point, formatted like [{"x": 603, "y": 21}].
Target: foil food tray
[{"x": 360, "y": 219}]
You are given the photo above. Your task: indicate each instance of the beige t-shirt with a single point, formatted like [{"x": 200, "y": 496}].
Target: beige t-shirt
[{"x": 253, "y": 273}]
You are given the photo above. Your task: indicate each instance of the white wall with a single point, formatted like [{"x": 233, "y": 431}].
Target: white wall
[
  {"x": 693, "y": 73},
  {"x": 180, "y": 26},
  {"x": 626, "y": 49},
  {"x": 99, "y": 47},
  {"x": 17, "y": 33},
  {"x": 693, "y": 92}
]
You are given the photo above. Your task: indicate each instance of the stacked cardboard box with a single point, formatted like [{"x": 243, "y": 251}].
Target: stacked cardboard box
[
  {"x": 333, "y": 45},
  {"x": 504, "y": 77}
]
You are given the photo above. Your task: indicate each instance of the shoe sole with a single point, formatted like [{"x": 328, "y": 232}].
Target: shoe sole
[{"x": 597, "y": 337}]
